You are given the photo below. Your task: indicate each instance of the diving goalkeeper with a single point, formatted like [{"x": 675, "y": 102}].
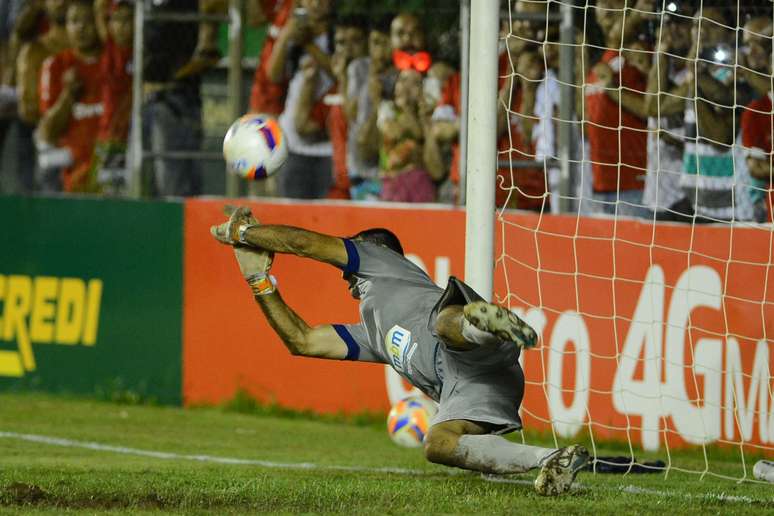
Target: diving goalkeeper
[{"x": 458, "y": 349}]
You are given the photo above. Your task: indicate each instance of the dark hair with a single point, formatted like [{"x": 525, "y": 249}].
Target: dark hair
[
  {"x": 380, "y": 236},
  {"x": 81, "y": 3},
  {"x": 446, "y": 47},
  {"x": 380, "y": 23},
  {"x": 352, "y": 21}
]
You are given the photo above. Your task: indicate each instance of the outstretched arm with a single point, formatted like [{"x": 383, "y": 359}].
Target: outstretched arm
[
  {"x": 242, "y": 229},
  {"x": 297, "y": 241},
  {"x": 300, "y": 338}
]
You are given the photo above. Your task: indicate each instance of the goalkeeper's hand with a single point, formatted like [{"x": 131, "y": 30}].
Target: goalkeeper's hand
[
  {"x": 228, "y": 232},
  {"x": 255, "y": 265}
]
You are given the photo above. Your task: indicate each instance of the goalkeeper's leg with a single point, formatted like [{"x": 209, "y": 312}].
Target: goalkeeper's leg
[
  {"x": 468, "y": 445},
  {"x": 482, "y": 324}
]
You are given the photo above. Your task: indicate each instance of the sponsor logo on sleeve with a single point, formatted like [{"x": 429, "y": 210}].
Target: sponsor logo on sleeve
[{"x": 399, "y": 348}]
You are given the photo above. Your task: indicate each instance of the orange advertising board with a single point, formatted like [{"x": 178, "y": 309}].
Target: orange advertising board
[
  {"x": 229, "y": 346},
  {"x": 647, "y": 332}
]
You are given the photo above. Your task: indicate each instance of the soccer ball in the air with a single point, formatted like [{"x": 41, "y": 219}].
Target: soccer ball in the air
[
  {"x": 409, "y": 421},
  {"x": 254, "y": 146}
]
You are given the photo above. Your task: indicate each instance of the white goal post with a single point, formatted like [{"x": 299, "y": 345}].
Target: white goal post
[{"x": 481, "y": 145}]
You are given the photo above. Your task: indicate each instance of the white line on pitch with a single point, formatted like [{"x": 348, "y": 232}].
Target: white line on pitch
[
  {"x": 721, "y": 497},
  {"x": 630, "y": 489},
  {"x": 89, "y": 445}
]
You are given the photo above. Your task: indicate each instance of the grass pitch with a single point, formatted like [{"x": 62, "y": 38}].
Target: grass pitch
[{"x": 305, "y": 466}]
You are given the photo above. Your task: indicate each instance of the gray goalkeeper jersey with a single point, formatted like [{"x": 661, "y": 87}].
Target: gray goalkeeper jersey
[
  {"x": 396, "y": 300},
  {"x": 398, "y": 306}
]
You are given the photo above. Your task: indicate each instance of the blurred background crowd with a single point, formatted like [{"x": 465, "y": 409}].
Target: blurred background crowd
[{"x": 672, "y": 101}]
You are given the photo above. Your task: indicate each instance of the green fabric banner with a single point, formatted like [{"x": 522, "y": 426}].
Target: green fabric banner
[{"x": 91, "y": 297}]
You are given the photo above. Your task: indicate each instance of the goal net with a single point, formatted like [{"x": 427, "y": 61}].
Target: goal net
[{"x": 646, "y": 129}]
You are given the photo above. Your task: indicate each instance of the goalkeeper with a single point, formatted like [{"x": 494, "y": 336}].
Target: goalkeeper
[{"x": 456, "y": 348}]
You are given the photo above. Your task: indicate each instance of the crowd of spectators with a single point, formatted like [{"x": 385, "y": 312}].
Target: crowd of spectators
[
  {"x": 66, "y": 94},
  {"x": 673, "y": 103},
  {"x": 66, "y": 75},
  {"x": 678, "y": 118}
]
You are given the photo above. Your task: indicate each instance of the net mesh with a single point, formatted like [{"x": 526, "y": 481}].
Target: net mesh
[{"x": 648, "y": 126}]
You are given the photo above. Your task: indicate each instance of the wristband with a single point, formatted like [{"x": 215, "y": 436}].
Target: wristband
[
  {"x": 262, "y": 284},
  {"x": 242, "y": 232}
]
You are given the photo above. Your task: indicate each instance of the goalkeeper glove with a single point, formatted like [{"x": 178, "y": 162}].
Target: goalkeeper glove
[
  {"x": 233, "y": 230},
  {"x": 255, "y": 265}
]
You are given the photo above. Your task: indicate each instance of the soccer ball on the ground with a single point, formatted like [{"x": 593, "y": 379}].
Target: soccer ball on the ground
[
  {"x": 764, "y": 470},
  {"x": 409, "y": 421},
  {"x": 254, "y": 146}
]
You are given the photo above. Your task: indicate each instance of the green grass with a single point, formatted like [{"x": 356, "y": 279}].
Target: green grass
[{"x": 38, "y": 478}]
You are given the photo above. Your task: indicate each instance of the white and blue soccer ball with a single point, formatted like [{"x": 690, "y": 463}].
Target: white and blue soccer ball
[
  {"x": 409, "y": 421},
  {"x": 254, "y": 147}
]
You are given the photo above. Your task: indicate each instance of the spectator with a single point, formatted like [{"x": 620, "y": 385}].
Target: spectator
[
  {"x": 756, "y": 127},
  {"x": 8, "y": 49},
  {"x": 266, "y": 95},
  {"x": 401, "y": 125},
  {"x": 520, "y": 69},
  {"x": 755, "y": 58},
  {"x": 32, "y": 54},
  {"x": 349, "y": 43},
  {"x": 438, "y": 140},
  {"x": 353, "y": 46},
  {"x": 441, "y": 153},
  {"x": 713, "y": 179},
  {"x": 172, "y": 112},
  {"x": 408, "y": 43},
  {"x": 368, "y": 80},
  {"x": 619, "y": 29},
  {"x": 109, "y": 164},
  {"x": 617, "y": 176},
  {"x": 756, "y": 121},
  {"x": 665, "y": 107},
  {"x": 36, "y": 46},
  {"x": 17, "y": 26},
  {"x": 267, "y": 11},
  {"x": 638, "y": 58},
  {"x": 442, "y": 150},
  {"x": 70, "y": 98},
  {"x": 540, "y": 105},
  {"x": 546, "y": 110},
  {"x": 522, "y": 188},
  {"x": 372, "y": 82},
  {"x": 439, "y": 74},
  {"x": 302, "y": 52},
  {"x": 6, "y": 31}
]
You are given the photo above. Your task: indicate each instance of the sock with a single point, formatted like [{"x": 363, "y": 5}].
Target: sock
[
  {"x": 472, "y": 334},
  {"x": 495, "y": 454}
]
